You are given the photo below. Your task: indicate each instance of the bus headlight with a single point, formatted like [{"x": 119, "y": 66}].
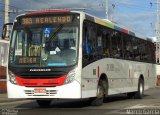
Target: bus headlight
[
  {"x": 70, "y": 77},
  {"x": 12, "y": 78}
]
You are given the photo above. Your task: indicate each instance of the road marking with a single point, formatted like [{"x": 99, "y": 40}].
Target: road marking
[{"x": 141, "y": 106}]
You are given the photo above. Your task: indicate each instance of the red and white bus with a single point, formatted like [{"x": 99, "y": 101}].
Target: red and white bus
[{"x": 74, "y": 55}]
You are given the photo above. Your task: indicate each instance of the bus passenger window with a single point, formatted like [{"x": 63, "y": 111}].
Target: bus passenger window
[
  {"x": 106, "y": 44},
  {"x": 116, "y": 46}
]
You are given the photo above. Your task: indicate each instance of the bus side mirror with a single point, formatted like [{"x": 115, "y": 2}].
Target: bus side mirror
[{"x": 5, "y": 30}]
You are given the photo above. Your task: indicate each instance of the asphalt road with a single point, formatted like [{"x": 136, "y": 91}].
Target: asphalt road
[{"x": 113, "y": 105}]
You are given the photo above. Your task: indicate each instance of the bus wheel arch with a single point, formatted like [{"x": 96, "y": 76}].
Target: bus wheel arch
[
  {"x": 104, "y": 79},
  {"x": 102, "y": 90},
  {"x": 141, "y": 77}
]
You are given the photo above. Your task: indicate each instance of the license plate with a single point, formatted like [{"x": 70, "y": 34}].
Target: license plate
[{"x": 40, "y": 91}]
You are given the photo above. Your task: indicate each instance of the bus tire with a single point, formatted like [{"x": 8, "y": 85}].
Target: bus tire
[
  {"x": 97, "y": 101},
  {"x": 105, "y": 85},
  {"x": 139, "y": 93},
  {"x": 44, "y": 103}
]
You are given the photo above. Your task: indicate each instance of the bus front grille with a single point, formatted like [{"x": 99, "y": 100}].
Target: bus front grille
[{"x": 33, "y": 93}]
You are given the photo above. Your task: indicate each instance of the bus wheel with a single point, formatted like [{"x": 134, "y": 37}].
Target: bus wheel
[
  {"x": 44, "y": 103},
  {"x": 139, "y": 93},
  {"x": 97, "y": 101}
]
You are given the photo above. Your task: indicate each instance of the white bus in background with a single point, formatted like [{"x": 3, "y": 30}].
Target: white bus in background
[
  {"x": 105, "y": 59},
  {"x": 4, "y": 45}
]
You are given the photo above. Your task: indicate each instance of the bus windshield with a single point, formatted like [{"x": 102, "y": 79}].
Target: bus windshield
[{"x": 44, "y": 46}]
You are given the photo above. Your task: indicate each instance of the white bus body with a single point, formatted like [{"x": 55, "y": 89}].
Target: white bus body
[{"x": 121, "y": 76}]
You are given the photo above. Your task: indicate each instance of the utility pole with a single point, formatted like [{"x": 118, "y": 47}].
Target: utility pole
[
  {"x": 107, "y": 15},
  {"x": 158, "y": 33},
  {"x": 7, "y": 2},
  {"x": 7, "y": 11}
]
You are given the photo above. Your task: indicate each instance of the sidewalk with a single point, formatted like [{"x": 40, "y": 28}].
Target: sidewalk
[{"x": 4, "y": 98}]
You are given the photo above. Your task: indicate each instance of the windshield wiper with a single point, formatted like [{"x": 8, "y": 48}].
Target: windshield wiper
[{"x": 55, "y": 33}]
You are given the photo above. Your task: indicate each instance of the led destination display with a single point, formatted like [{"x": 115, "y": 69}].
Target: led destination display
[{"x": 46, "y": 20}]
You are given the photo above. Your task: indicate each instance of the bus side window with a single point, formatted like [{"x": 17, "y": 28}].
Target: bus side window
[
  {"x": 89, "y": 40},
  {"x": 100, "y": 38},
  {"x": 89, "y": 43},
  {"x": 86, "y": 44},
  {"x": 136, "y": 49},
  {"x": 116, "y": 45},
  {"x": 128, "y": 47},
  {"x": 106, "y": 43}
]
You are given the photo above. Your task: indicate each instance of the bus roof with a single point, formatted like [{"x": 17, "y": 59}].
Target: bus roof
[
  {"x": 110, "y": 24},
  {"x": 104, "y": 22}
]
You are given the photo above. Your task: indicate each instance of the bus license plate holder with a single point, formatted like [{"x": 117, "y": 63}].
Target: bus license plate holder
[{"x": 40, "y": 91}]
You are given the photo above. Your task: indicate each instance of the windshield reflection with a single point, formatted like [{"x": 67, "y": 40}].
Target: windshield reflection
[{"x": 43, "y": 47}]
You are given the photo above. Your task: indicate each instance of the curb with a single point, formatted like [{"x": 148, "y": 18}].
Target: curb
[{"x": 5, "y": 100}]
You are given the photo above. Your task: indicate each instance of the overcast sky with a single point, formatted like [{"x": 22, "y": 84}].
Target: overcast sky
[{"x": 138, "y": 15}]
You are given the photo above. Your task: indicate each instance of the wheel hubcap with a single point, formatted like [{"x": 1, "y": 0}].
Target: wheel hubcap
[
  {"x": 100, "y": 92},
  {"x": 141, "y": 89}
]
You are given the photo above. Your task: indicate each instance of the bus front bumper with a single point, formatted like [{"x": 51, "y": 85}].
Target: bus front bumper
[{"x": 67, "y": 91}]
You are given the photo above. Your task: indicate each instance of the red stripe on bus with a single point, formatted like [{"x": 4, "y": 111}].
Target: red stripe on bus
[
  {"x": 98, "y": 72},
  {"x": 125, "y": 31},
  {"x": 129, "y": 72},
  {"x": 41, "y": 82}
]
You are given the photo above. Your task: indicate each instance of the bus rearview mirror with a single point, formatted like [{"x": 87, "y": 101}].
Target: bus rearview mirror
[{"x": 5, "y": 30}]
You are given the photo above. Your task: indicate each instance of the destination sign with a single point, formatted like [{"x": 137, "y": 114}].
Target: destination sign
[
  {"x": 28, "y": 60},
  {"x": 46, "y": 20}
]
